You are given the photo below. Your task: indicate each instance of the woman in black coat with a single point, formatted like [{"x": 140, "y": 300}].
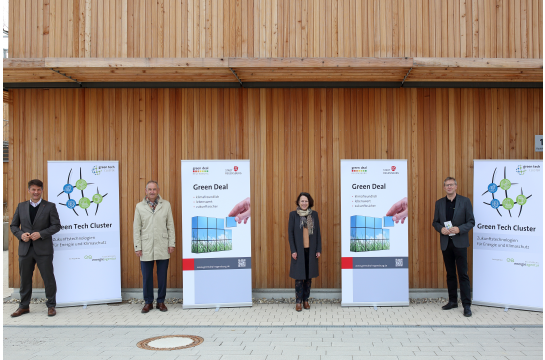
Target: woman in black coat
[{"x": 306, "y": 247}]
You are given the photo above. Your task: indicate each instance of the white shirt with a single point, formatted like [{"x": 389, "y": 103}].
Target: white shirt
[{"x": 35, "y": 204}]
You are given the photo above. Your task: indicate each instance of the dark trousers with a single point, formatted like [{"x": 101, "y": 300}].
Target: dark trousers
[
  {"x": 147, "y": 274},
  {"x": 27, "y": 264},
  {"x": 302, "y": 287},
  {"x": 456, "y": 259}
]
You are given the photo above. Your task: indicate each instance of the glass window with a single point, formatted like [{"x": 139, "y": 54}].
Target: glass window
[
  {"x": 202, "y": 222},
  {"x": 211, "y": 223},
  {"x": 203, "y": 234},
  {"x": 360, "y": 221},
  {"x": 212, "y": 234}
]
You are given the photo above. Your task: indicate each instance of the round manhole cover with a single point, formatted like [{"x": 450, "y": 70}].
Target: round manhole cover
[{"x": 170, "y": 342}]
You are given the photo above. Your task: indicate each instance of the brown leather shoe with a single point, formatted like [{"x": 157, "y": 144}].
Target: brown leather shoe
[
  {"x": 20, "y": 312},
  {"x": 51, "y": 311},
  {"x": 298, "y": 307},
  {"x": 306, "y": 305},
  {"x": 147, "y": 308},
  {"x": 162, "y": 307}
]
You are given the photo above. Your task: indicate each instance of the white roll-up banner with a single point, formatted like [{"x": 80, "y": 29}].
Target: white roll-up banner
[
  {"x": 216, "y": 233},
  {"x": 87, "y": 248},
  {"x": 508, "y": 234},
  {"x": 375, "y": 250}
]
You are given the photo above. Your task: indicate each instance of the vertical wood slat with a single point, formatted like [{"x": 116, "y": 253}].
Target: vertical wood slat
[
  {"x": 276, "y": 129},
  {"x": 325, "y": 28}
]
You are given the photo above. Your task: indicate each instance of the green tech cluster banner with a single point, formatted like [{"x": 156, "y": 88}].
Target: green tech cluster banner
[
  {"x": 87, "y": 248},
  {"x": 508, "y": 233}
]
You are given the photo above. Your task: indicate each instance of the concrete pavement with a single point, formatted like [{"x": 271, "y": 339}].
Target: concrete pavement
[
  {"x": 271, "y": 343},
  {"x": 7, "y": 291},
  {"x": 275, "y": 331},
  {"x": 272, "y": 315},
  {"x": 268, "y": 332}
]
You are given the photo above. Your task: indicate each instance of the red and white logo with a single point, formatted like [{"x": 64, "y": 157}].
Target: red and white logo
[
  {"x": 236, "y": 168},
  {"x": 393, "y": 168}
]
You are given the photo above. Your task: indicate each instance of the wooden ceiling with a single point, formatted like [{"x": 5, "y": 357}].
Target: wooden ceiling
[{"x": 266, "y": 70}]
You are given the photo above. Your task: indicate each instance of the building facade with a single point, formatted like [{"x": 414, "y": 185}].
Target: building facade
[{"x": 295, "y": 86}]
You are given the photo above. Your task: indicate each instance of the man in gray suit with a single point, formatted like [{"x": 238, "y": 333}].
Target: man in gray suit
[
  {"x": 34, "y": 222},
  {"x": 454, "y": 241}
]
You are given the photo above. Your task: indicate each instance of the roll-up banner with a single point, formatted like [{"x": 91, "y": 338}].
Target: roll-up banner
[
  {"x": 508, "y": 234},
  {"x": 375, "y": 250},
  {"x": 216, "y": 233},
  {"x": 87, "y": 248}
]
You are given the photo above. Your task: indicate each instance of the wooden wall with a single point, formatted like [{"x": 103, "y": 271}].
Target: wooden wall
[
  {"x": 5, "y": 136},
  {"x": 5, "y": 168},
  {"x": 276, "y": 28},
  {"x": 294, "y": 139}
]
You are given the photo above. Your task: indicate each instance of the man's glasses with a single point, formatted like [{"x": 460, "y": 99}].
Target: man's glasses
[{"x": 450, "y": 185}]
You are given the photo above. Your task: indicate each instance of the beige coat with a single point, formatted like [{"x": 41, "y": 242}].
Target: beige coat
[{"x": 153, "y": 233}]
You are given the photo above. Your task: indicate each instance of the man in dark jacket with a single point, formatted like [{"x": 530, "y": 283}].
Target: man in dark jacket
[
  {"x": 34, "y": 223},
  {"x": 453, "y": 219}
]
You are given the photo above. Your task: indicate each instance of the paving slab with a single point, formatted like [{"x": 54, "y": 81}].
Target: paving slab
[
  {"x": 270, "y": 314},
  {"x": 115, "y": 342},
  {"x": 275, "y": 331}
]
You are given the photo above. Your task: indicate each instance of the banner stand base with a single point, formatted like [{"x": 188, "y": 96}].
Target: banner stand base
[
  {"x": 215, "y": 306},
  {"x": 375, "y": 304},
  {"x": 507, "y": 306},
  {"x": 92, "y": 302}
]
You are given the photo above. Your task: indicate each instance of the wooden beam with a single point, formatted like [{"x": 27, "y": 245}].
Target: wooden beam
[
  {"x": 20, "y": 63},
  {"x": 136, "y": 62},
  {"x": 485, "y": 63},
  {"x": 271, "y": 69},
  {"x": 320, "y": 62},
  {"x": 235, "y": 62}
]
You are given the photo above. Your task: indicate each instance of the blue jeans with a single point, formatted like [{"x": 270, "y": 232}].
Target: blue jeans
[{"x": 147, "y": 274}]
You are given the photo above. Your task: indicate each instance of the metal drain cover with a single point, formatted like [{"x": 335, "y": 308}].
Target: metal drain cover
[{"x": 170, "y": 342}]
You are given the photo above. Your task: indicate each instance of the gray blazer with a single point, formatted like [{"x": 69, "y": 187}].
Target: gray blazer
[
  {"x": 47, "y": 223},
  {"x": 463, "y": 218},
  {"x": 295, "y": 237}
]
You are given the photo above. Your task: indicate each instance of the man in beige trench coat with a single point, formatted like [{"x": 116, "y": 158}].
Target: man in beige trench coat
[{"x": 154, "y": 241}]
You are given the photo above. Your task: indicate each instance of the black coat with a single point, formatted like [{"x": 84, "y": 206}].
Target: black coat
[
  {"x": 463, "y": 218},
  {"x": 295, "y": 235},
  {"x": 46, "y": 222}
]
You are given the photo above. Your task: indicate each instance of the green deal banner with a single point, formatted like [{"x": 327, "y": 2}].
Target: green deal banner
[
  {"x": 374, "y": 233},
  {"x": 216, "y": 233}
]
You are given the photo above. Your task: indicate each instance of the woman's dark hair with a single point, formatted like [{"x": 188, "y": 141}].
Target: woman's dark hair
[
  {"x": 310, "y": 199},
  {"x": 36, "y": 182}
]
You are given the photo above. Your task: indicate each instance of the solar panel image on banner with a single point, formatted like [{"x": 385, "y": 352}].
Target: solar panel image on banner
[
  {"x": 208, "y": 234},
  {"x": 367, "y": 234}
]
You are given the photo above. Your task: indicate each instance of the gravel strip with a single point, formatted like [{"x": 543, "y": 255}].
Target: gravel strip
[{"x": 254, "y": 300}]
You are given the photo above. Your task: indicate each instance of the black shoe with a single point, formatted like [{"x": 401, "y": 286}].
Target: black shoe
[
  {"x": 467, "y": 311},
  {"x": 450, "y": 305}
]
